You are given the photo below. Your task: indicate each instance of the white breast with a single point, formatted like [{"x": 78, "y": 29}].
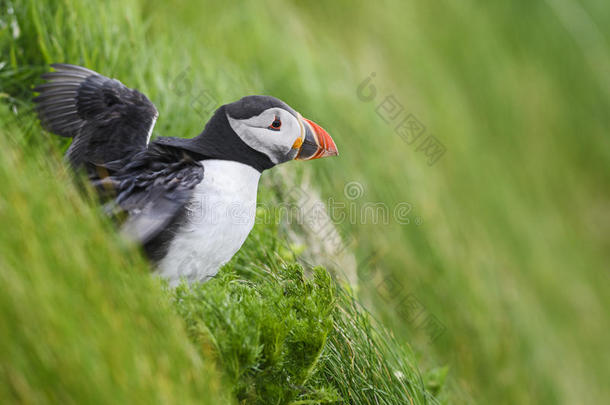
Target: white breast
[{"x": 219, "y": 218}]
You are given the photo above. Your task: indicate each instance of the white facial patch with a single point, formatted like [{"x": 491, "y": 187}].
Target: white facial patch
[{"x": 255, "y": 132}]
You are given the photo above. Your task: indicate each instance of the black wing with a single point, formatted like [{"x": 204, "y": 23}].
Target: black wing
[
  {"x": 152, "y": 189},
  {"x": 107, "y": 120}
]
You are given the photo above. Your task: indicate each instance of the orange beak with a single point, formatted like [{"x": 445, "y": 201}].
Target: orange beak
[{"x": 315, "y": 142}]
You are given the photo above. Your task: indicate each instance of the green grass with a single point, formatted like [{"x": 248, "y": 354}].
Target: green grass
[
  {"x": 84, "y": 322},
  {"x": 81, "y": 319},
  {"x": 511, "y": 255},
  {"x": 282, "y": 336}
]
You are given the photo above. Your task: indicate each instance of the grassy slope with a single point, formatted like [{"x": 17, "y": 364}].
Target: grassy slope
[
  {"x": 513, "y": 246},
  {"x": 90, "y": 325},
  {"x": 84, "y": 324},
  {"x": 513, "y": 252},
  {"x": 101, "y": 330}
]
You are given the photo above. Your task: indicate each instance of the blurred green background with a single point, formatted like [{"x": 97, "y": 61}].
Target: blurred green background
[{"x": 507, "y": 247}]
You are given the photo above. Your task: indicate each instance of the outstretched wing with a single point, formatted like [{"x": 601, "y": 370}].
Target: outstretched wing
[
  {"x": 107, "y": 120},
  {"x": 151, "y": 190}
]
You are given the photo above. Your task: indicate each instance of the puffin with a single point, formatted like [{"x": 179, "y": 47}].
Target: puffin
[{"x": 190, "y": 203}]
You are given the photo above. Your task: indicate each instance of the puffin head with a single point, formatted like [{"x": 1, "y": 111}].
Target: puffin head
[
  {"x": 272, "y": 127},
  {"x": 263, "y": 131}
]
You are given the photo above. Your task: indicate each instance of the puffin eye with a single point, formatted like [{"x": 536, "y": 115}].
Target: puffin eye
[{"x": 276, "y": 124}]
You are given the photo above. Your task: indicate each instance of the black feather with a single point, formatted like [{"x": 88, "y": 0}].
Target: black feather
[{"x": 111, "y": 120}]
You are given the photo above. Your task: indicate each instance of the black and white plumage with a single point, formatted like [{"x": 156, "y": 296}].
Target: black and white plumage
[{"x": 189, "y": 202}]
